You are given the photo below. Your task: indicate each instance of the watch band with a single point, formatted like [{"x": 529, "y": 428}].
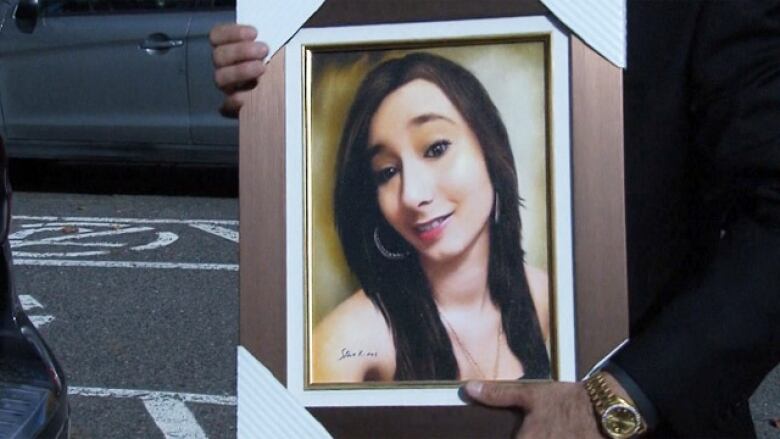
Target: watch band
[{"x": 618, "y": 418}]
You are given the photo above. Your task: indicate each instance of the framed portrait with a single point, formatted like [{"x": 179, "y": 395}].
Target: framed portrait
[
  {"x": 436, "y": 215},
  {"x": 418, "y": 189}
]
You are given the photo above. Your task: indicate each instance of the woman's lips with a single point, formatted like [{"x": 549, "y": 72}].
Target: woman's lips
[{"x": 431, "y": 230}]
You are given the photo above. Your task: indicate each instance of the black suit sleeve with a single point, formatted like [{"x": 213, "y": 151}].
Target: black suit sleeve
[{"x": 713, "y": 342}]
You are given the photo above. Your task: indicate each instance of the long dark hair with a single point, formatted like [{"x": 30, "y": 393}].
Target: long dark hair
[{"x": 399, "y": 288}]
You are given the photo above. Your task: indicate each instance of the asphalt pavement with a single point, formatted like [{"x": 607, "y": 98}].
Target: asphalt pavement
[
  {"x": 765, "y": 406},
  {"x": 138, "y": 297}
]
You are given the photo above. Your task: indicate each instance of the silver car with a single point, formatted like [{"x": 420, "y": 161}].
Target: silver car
[{"x": 113, "y": 79}]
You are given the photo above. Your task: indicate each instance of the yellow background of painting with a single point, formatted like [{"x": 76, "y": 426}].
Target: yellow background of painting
[{"x": 514, "y": 76}]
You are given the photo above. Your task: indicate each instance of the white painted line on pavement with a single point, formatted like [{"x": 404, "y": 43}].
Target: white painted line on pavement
[
  {"x": 196, "y": 398},
  {"x": 72, "y": 244},
  {"x": 230, "y": 235},
  {"x": 18, "y": 254},
  {"x": 23, "y": 254},
  {"x": 29, "y": 302},
  {"x": 21, "y": 234},
  {"x": 125, "y": 264},
  {"x": 174, "y": 419},
  {"x": 120, "y": 220},
  {"x": 163, "y": 239},
  {"x": 60, "y": 225},
  {"x": 40, "y": 321},
  {"x": 81, "y": 236},
  {"x": 167, "y": 409}
]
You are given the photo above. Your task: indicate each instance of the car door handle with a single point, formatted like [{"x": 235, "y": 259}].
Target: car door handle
[{"x": 161, "y": 45}]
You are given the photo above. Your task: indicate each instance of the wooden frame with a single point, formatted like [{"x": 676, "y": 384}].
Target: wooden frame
[{"x": 598, "y": 225}]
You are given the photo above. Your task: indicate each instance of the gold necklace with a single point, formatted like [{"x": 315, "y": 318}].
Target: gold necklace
[{"x": 466, "y": 352}]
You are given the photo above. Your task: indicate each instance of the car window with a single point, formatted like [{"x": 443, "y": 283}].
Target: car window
[{"x": 83, "y": 7}]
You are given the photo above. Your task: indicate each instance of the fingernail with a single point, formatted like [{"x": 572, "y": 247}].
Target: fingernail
[{"x": 471, "y": 389}]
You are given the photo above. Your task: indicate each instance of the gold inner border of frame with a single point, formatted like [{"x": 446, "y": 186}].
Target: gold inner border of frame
[{"x": 307, "y": 51}]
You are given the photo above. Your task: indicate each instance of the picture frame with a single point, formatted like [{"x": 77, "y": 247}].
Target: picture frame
[
  {"x": 523, "y": 47},
  {"x": 274, "y": 307}
]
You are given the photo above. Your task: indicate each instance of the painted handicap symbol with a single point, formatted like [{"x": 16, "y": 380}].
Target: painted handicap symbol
[{"x": 80, "y": 239}]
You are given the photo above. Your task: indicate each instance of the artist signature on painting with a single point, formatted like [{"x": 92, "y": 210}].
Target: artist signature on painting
[{"x": 347, "y": 354}]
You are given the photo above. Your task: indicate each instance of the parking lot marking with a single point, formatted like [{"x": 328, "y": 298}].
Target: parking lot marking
[
  {"x": 163, "y": 239},
  {"x": 168, "y": 409},
  {"x": 125, "y": 264},
  {"x": 56, "y": 225},
  {"x": 75, "y": 244},
  {"x": 174, "y": 419},
  {"x": 74, "y": 236},
  {"x": 70, "y": 219},
  {"x": 78, "y": 229},
  {"x": 40, "y": 321},
  {"x": 66, "y": 238},
  {"x": 58, "y": 255},
  {"x": 28, "y": 303},
  {"x": 196, "y": 398},
  {"x": 27, "y": 231},
  {"x": 230, "y": 235}
]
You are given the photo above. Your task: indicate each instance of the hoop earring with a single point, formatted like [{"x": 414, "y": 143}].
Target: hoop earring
[
  {"x": 496, "y": 209},
  {"x": 393, "y": 256}
]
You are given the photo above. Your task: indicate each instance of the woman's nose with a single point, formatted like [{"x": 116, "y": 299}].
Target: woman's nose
[{"x": 418, "y": 187}]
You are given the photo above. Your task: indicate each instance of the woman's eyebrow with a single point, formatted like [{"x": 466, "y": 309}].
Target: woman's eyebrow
[
  {"x": 375, "y": 149},
  {"x": 428, "y": 117},
  {"x": 416, "y": 121}
]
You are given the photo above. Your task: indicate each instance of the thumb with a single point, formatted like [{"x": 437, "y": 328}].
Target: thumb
[{"x": 500, "y": 394}]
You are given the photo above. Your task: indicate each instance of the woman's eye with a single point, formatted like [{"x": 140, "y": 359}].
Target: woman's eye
[
  {"x": 385, "y": 174},
  {"x": 438, "y": 148}
]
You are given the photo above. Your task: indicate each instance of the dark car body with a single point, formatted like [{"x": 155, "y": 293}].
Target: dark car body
[
  {"x": 113, "y": 79},
  {"x": 33, "y": 391}
]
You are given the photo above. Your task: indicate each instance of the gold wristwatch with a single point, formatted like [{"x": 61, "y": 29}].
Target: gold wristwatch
[{"x": 619, "y": 418}]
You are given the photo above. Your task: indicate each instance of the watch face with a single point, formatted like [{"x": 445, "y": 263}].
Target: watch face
[{"x": 621, "y": 421}]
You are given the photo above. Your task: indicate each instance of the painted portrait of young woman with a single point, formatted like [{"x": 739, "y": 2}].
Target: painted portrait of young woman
[{"x": 428, "y": 214}]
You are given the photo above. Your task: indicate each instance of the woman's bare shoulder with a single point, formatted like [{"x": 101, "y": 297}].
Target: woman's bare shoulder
[
  {"x": 538, "y": 283},
  {"x": 353, "y": 343},
  {"x": 355, "y": 317}
]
